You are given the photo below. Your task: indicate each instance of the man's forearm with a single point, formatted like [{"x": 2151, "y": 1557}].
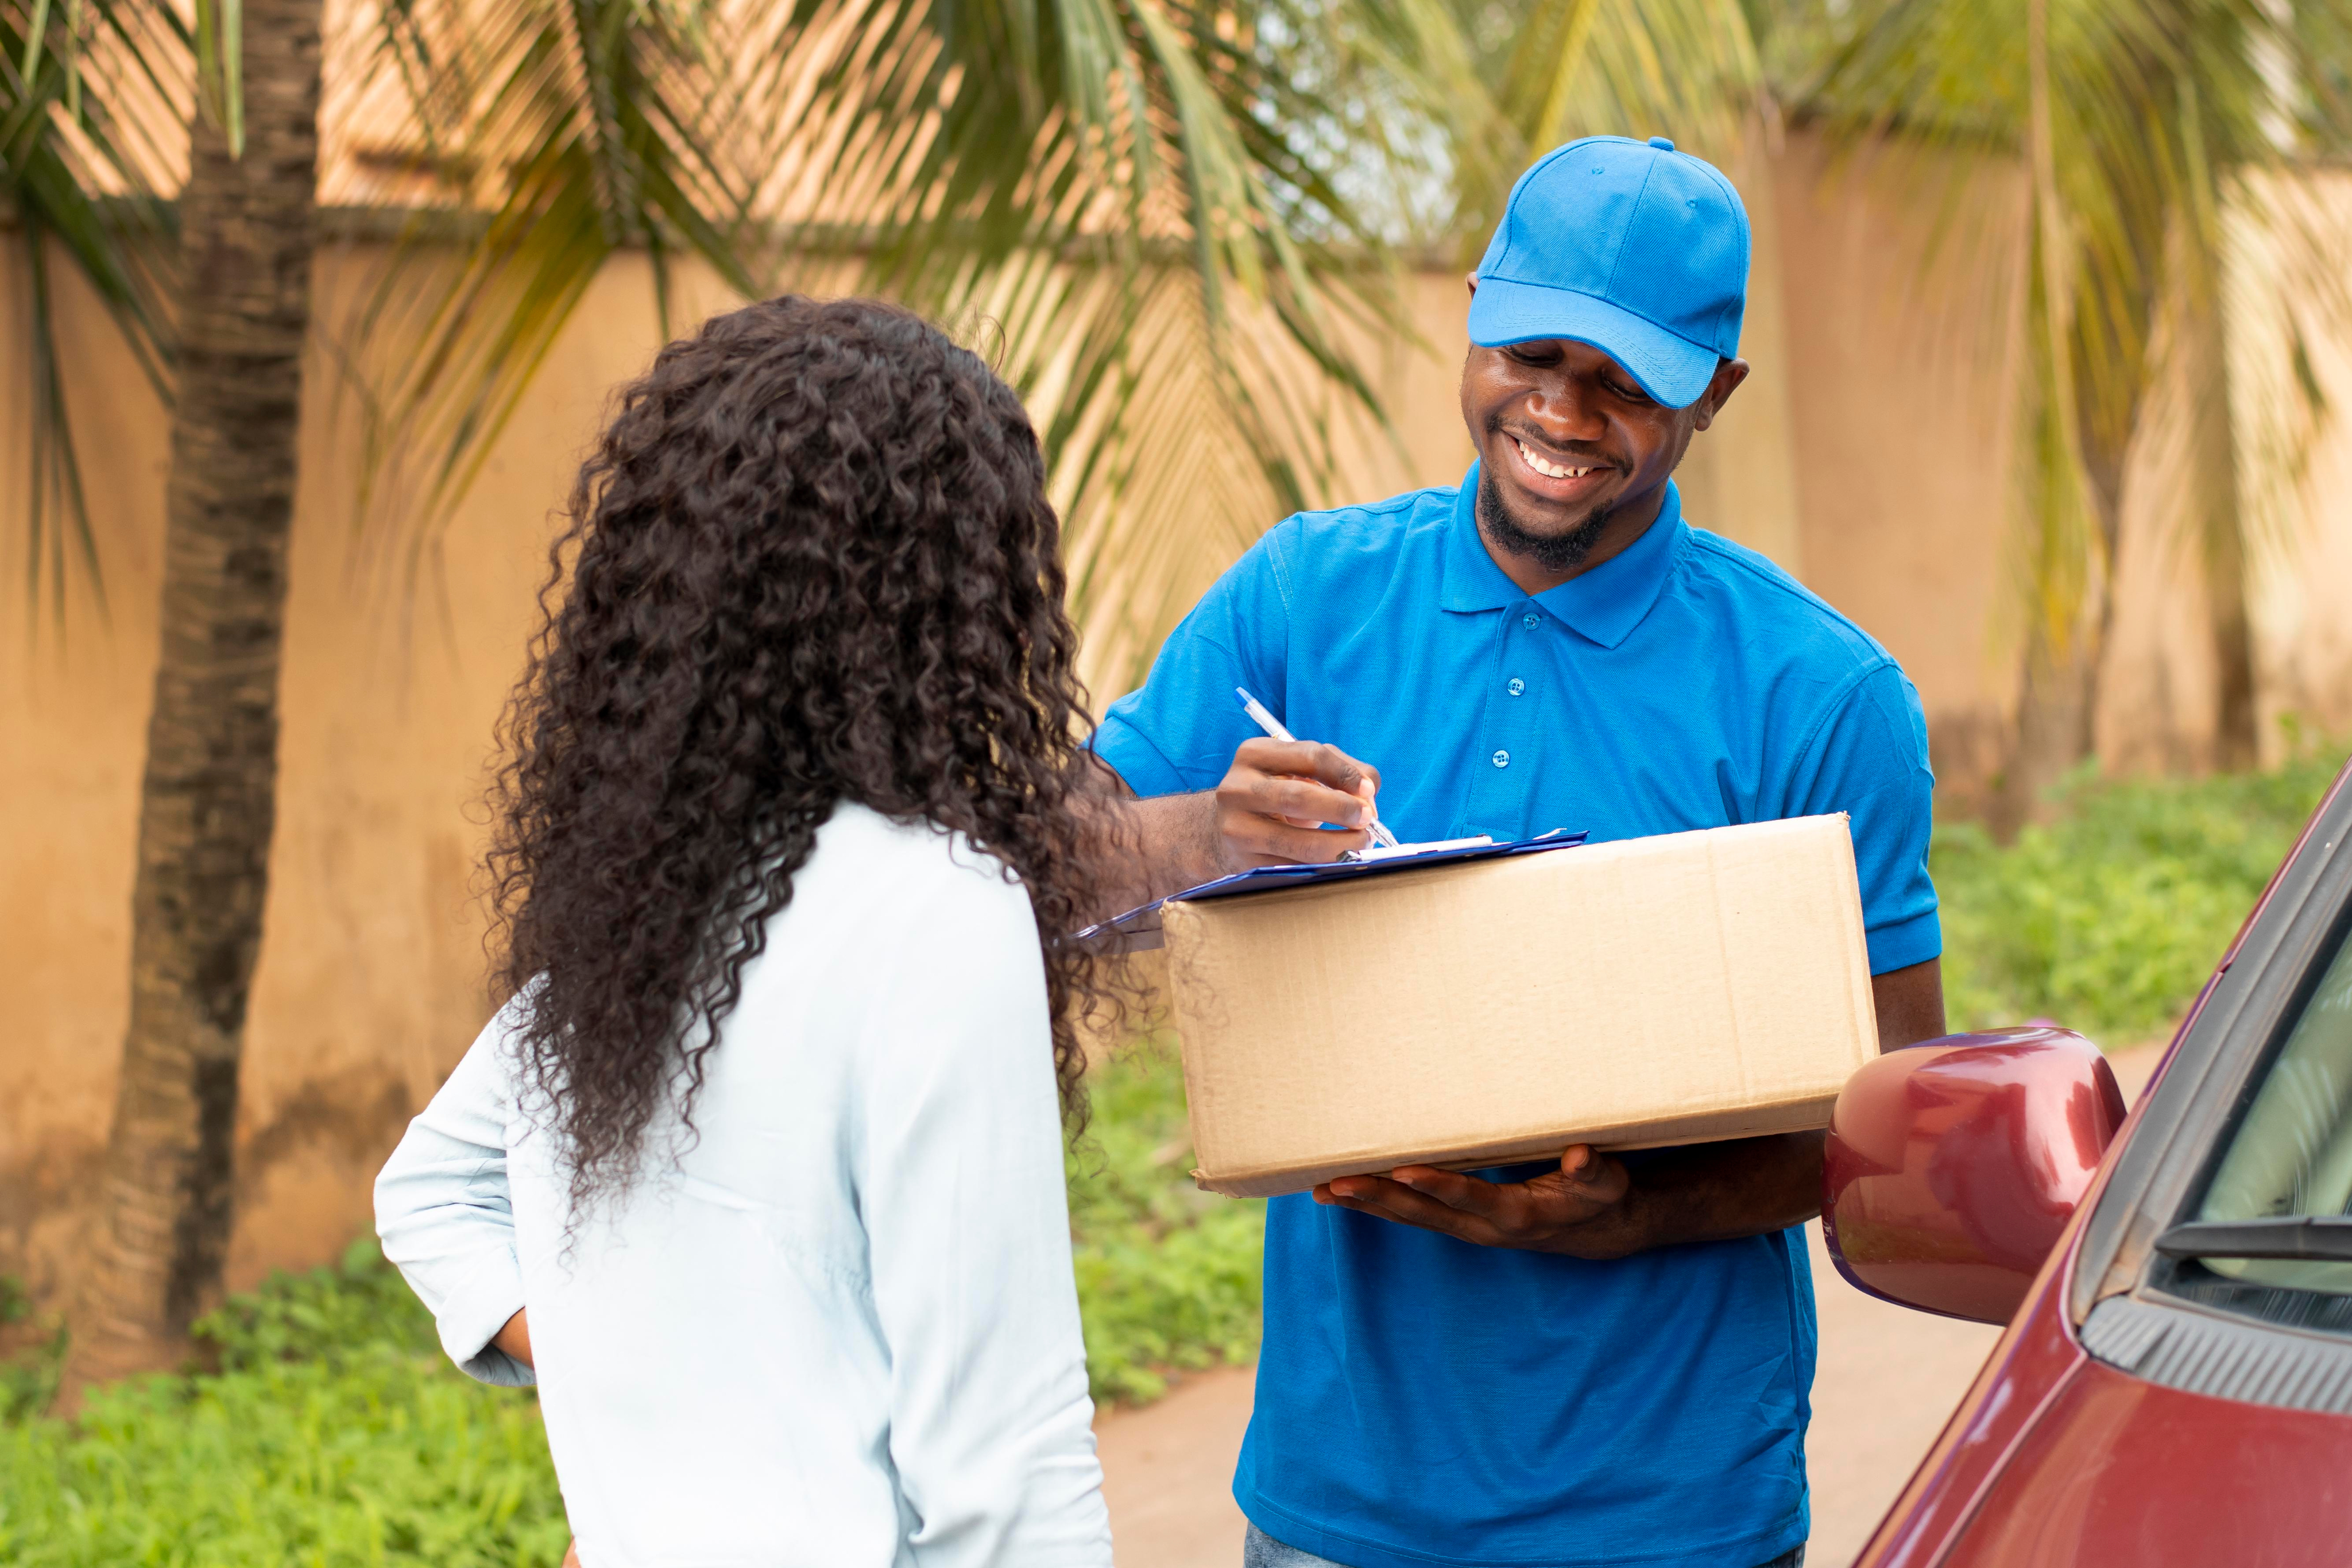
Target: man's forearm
[
  {"x": 1713, "y": 1192},
  {"x": 1152, "y": 848},
  {"x": 1281, "y": 802},
  {"x": 1177, "y": 843}
]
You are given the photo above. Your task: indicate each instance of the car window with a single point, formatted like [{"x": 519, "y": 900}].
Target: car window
[{"x": 2292, "y": 1153}]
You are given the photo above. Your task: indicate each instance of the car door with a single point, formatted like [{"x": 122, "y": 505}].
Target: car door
[{"x": 2210, "y": 1421}]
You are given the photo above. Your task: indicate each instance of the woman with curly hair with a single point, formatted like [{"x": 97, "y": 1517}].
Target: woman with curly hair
[{"x": 759, "y": 1174}]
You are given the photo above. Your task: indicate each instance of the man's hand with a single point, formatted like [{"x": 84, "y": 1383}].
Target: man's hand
[
  {"x": 1598, "y": 1206},
  {"x": 1580, "y": 1210},
  {"x": 1270, "y": 806},
  {"x": 1264, "y": 813}
]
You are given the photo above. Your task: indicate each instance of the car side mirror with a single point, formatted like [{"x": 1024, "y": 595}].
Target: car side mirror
[{"x": 1954, "y": 1165}]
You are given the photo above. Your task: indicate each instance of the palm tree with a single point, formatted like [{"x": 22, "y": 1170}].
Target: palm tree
[
  {"x": 2140, "y": 125},
  {"x": 245, "y": 219},
  {"x": 1132, "y": 193}
]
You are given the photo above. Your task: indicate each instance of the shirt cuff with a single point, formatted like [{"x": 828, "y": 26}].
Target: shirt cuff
[
  {"x": 473, "y": 1314},
  {"x": 1906, "y": 943},
  {"x": 1135, "y": 759}
]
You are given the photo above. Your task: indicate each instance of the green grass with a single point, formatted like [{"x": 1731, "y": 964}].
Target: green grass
[
  {"x": 2108, "y": 918},
  {"x": 331, "y": 1434}
]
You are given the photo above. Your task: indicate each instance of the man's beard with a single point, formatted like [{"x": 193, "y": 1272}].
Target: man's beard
[{"x": 1553, "y": 552}]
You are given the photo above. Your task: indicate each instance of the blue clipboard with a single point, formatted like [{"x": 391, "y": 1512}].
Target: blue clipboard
[{"x": 1138, "y": 930}]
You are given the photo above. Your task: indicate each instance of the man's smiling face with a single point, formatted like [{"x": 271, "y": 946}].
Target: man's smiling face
[{"x": 1573, "y": 457}]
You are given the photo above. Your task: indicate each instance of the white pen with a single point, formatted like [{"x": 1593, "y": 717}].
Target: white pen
[{"x": 1273, "y": 727}]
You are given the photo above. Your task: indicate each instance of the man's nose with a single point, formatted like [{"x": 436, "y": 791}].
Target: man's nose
[{"x": 1565, "y": 410}]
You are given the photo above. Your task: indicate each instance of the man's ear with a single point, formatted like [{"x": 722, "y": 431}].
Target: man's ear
[
  {"x": 1473, "y": 281},
  {"x": 1727, "y": 380}
]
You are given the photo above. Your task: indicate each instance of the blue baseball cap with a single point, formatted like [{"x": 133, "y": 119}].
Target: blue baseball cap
[{"x": 1630, "y": 246}]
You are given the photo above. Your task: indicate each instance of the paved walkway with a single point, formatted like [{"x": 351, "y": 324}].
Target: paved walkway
[{"x": 1887, "y": 1378}]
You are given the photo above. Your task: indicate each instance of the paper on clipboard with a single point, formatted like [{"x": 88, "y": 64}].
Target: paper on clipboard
[{"x": 1138, "y": 930}]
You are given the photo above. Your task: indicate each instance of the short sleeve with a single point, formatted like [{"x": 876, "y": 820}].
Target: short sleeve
[
  {"x": 1869, "y": 760},
  {"x": 1178, "y": 731}
]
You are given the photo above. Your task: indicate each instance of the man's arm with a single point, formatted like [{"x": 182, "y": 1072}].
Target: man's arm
[
  {"x": 1264, "y": 811},
  {"x": 1602, "y": 1205}
]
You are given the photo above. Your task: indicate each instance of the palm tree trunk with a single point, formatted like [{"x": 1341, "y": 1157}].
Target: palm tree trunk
[
  {"x": 2236, "y": 737},
  {"x": 2058, "y": 695},
  {"x": 207, "y": 800},
  {"x": 2219, "y": 522},
  {"x": 2055, "y": 710}
]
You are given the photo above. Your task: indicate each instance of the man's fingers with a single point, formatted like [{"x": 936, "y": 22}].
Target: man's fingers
[
  {"x": 1270, "y": 842},
  {"x": 1552, "y": 1212},
  {"x": 1453, "y": 1189},
  {"x": 1315, "y": 759},
  {"x": 1277, "y": 790},
  {"x": 1427, "y": 1191},
  {"x": 1591, "y": 1175},
  {"x": 1301, "y": 801},
  {"x": 1261, "y": 816},
  {"x": 1385, "y": 1199}
]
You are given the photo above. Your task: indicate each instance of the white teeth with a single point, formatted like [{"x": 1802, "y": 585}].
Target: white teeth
[{"x": 1548, "y": 470}]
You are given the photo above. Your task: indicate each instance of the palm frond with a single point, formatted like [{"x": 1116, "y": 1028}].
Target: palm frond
[
  {"x": 77, "y": 186},
  {"x": 571, "y": 130},
  {"x": 1137, "y": 204},
  {"x": 2135, "y": 123},
  {"x": 1562, "y": 69}
]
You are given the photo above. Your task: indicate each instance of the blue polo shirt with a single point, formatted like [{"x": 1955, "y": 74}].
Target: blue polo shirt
[{"x": 1421, "y": 1401}]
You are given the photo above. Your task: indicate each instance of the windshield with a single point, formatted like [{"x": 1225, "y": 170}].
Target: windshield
[{"x": 2292, "y": 1154}]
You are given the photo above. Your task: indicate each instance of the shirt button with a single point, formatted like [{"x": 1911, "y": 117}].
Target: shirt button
[
  {"x": 1516, "y": 686},
  {"x": 1529, "y": 620},
  {"x": 1502, "y": 760}
]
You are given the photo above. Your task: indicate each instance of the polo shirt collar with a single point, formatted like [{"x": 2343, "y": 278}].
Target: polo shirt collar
[{"x": 1603, "y": 605}]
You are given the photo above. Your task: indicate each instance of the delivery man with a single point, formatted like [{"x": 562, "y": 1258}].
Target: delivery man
[{"x": 1605, "y": 1359}]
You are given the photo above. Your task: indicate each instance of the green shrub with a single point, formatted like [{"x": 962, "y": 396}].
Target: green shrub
[
  {"x": 32, "y": 1353},
  {"x": 335, "y": 1436},
  {"x": 2108, "y": 918},
  {"x": 358, "y": 1307},
  {"x": 1168, "y": 1275}
]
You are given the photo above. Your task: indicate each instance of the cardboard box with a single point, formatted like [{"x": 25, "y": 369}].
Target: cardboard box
[{"x": 1665, "y": 990}]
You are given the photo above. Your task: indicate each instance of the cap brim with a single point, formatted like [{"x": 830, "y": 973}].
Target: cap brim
[{"x": 1671, "y": 370}]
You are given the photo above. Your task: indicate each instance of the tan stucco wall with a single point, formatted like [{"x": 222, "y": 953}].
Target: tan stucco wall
[
  {"x": 1867, "y": 451},
  {"x": 370, "y": 983}
]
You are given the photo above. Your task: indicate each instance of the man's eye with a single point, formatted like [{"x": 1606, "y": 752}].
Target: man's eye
[{"x": 1628, "y": 394}]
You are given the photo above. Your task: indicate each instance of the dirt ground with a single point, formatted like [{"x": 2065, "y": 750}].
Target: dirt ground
[{"x": 1887, "y": 1378}]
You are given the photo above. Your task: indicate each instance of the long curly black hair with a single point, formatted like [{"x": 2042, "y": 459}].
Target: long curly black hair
[{"x": 810, "y": 560}]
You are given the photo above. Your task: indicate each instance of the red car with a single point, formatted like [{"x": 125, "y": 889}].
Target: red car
[{"x": 2175, "y": 1388}]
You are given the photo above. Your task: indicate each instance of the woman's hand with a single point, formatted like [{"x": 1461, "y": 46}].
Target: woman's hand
[{"x": 515, "y": 1337}]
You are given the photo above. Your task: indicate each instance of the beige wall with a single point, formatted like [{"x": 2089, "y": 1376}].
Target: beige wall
[
  {"x": 1868, "y": 452},
  {"x": 370, "y": 983}
]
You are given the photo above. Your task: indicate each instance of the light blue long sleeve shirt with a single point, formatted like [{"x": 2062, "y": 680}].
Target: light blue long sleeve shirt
[{"x": 836, "y": 1326}]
